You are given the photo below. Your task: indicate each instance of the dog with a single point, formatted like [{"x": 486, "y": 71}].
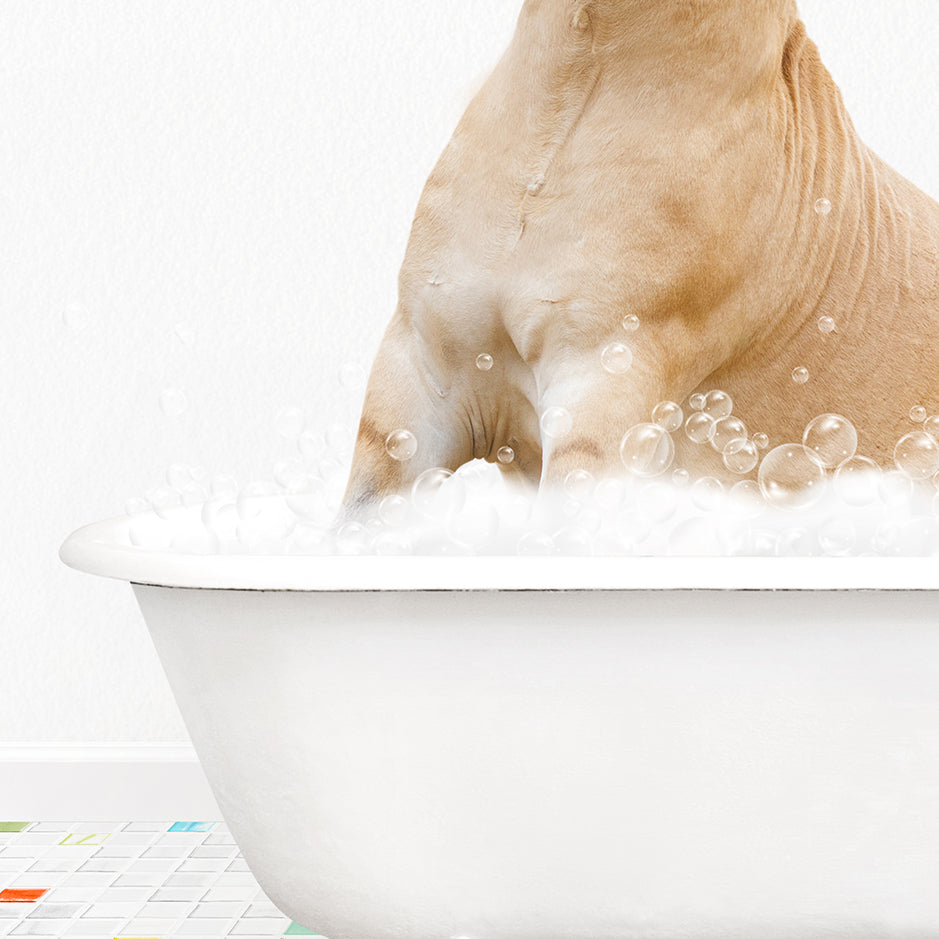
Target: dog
[{"x": 688, "y": 165}]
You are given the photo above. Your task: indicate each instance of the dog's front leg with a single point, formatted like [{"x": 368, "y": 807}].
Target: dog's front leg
[
  {"x": 411, "y": 421},
  {"x": 585, "y": 413}
]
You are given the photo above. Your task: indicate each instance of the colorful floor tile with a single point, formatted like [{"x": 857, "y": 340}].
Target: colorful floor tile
[{"x": 131, "y": 880}]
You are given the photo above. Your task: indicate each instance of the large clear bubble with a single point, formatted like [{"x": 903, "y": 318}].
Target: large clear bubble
[
  {"x": 830, "y": 439},
  {"x": 917, "y": 455},
  {"x": 668, "y": 414},
  {"x": 647, "y": 450},
  {"x": 790, "y": 477},
  {"x": 718, "y": 405},
  {"x": 728, "y": 430},
  {"x": 700, "y": 427}
]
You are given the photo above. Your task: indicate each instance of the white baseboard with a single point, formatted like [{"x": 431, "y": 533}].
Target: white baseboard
[{"x": 103, "y": 782}]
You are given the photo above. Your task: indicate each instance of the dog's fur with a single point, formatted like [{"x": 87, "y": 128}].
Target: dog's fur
[{"x": 661, "y": 158}]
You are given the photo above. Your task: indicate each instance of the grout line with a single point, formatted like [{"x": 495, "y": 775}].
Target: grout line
[{"x": 56, "y": 880}]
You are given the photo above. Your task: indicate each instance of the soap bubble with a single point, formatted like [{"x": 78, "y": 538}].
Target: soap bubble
[
  {"x": 401, "y": 445},
  {"x": 394, "y": 510},
  {"x": 351, "y": 539},
  {"x": 760, "y": 441},
  {"x": 331, "y": 470},
  {"x": 657, "y": 501},
  {"x": 535, "y": 544},
  {"x": 697, "y": 401},
  {"x": 741, "y": 456},
  {"x": 746, "y": 500},
  {"x": 917, "y": 455},
  {"x": 392, "y": 544},
  {"x": 826, "y": 325},
  {"x": 287, "y": 470},
  {"x": 800, "y": 375},
  {"x": 728, "y": 430},
  {"x": 484, "y": 361},
  {"x": 556, "y": 423},
  {"x": 718, "y": 405},
  {"x": 173, "y": 402},
  {"x": 790, "y": 477},
  {"x": 220, "y": 516},
  {"x": 797, "y": 543},
  {"x": 822, "y": 206},
  {"x": 306, "y": 496},
  {"x": 681, "y": 477},
  {"x": 647, "y": 450},
  {"x": 570, "y": 508},
  {"x": 631, "y": 322},
  {"x": 918, "y": 537},
  {"x": 610, "y": 493},
  {"x": 633, "y": 528},
  {"x": 162, "y": 499},
  {"x": 339, "y": 438},
  {"x": 831, "y": 439},
  {"x": 479, "y": 476},
  {"x": 579, "y": 484},
  {"x": 668, "y": 414},
  {"x": 517, "y": 511},
  {"x": 192, "y": 494},
  {"x": 918, "y": 414},
  {"x": 707, "y": 493},
  {"x": 695, "y": 536},
  {"x": 836, "y": 536},
  {"x": 616, "y": 358},
  {"x": 931, "y": 426},
  {"x": 590, "y": 520},
  {"x": 505, "y": 454},
  {"x": 252, "y": 499},
  {"x": 437, "y": 494},
  {"x": 311, "y": 445},
  {"x": 763, "y": 543},
  {"x": 857, "y": 480},
  {"x": 572, "y": 540},
  {"x": 475, "y": 526},
  {"x": 700, "y": 427}
]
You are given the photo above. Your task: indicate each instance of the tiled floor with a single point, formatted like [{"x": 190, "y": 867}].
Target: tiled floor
[{"x": 146, "y": 880}]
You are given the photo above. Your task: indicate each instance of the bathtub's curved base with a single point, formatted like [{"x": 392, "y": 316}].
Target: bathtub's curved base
[{"x": 594, "y": 765}]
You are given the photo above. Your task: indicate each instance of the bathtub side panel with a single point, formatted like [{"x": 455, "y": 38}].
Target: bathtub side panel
[{"x": 522, "y": 765}]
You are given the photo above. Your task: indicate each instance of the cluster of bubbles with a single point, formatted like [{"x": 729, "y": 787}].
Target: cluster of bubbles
[
  {"x": 647, "y": 449},
  {"x": 813, "y": 497}
]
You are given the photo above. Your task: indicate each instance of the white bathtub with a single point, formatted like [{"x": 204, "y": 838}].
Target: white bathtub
[{"x": 429, "y": 748}]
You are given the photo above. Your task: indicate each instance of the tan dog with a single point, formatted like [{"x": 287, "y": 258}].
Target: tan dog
[{"x": 661, "y": 158}]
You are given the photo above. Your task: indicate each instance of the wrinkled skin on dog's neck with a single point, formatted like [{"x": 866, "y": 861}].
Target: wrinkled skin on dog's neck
[{"x": 660, "y": 158}]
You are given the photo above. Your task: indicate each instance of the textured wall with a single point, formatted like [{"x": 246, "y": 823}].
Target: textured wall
[{"x": 248, "y": 170}]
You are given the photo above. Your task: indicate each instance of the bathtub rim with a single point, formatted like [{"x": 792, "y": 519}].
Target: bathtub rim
[{"x": 99, "y": 549}]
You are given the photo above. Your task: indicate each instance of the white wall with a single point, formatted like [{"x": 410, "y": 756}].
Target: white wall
[{"x": 249, "y": 170}]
